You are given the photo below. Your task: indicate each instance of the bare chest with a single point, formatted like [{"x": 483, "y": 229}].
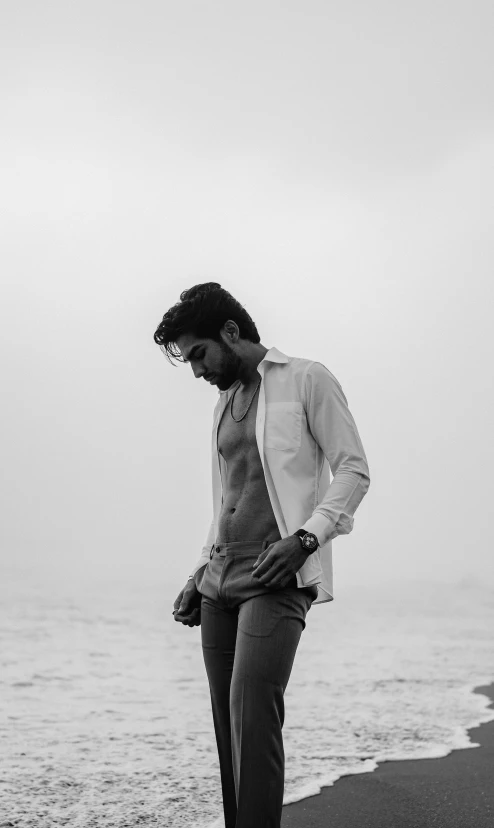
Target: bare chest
[{"x": 237, "y": 429}]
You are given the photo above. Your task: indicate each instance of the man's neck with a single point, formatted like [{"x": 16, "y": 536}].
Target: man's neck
[{"x": 249, "y": 375}]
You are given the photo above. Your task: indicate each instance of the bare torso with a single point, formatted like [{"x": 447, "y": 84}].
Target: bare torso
[{"x": 246, "y": 513}]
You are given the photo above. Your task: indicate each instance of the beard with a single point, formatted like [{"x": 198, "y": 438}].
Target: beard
[{"x": 230, "y": 368}]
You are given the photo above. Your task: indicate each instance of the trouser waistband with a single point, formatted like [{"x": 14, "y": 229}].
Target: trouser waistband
[{"x": 239, "y": 548}]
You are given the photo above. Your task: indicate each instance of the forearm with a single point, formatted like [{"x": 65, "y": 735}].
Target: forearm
[{"x": 333, "y": 516}]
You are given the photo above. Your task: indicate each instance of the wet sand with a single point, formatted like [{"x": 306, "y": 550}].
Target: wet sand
[{"x": 456, "y": 791}]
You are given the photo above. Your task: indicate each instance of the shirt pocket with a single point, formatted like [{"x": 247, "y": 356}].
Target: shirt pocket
[{"x": 283, "y": 427}]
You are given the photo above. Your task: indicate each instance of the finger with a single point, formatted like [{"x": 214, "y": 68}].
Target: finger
[
  {"x": 178, "y": 600},
  {"x": 186, "y": 605},
  {"x": 185, "y": 615},
  {"x": 264, "y": 566},
  {"x": 269, "y": 567},
  {"x": 273, "y": 576},
  {"x": 192, "y": 619},
  {"x": 195, "y": 622},
  {"x": 261, "y": 557}
]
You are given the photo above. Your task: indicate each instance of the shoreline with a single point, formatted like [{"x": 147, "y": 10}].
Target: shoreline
[{"x": 453, "y": 791}]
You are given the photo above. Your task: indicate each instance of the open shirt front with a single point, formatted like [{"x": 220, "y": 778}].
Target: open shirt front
[{"x": 304, "y": 429}]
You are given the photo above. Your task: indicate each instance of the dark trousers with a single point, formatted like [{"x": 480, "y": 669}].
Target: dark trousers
[{"x": 250, "y": 636}]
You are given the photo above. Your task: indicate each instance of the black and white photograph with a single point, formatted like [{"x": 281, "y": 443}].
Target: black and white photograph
[{"x": 246, "y": 329}]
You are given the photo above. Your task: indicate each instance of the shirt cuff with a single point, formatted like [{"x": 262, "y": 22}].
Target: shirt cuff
[{"x": 321, "y": 527}]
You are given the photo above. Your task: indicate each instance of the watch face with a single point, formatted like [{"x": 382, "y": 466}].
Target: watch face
[{"x": 309, "y": 541}]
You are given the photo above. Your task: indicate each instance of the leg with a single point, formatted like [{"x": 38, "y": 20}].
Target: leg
[
  {"x": 269, "y": 630},
  {"x": 219, "y": 633}
]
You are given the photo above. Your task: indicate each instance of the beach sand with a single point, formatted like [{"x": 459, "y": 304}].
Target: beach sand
[{"x": 456, "y": 791}]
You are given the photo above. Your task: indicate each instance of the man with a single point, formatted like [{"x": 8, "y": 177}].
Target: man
[{"x": 280, "y": 423}]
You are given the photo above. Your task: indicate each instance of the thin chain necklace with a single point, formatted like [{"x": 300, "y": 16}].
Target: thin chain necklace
[{"x": 253, "y": 395}]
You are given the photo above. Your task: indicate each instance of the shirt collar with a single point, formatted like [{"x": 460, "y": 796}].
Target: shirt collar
[{"x": 272, "y": 355}]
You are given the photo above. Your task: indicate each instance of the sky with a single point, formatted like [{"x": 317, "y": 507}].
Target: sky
[{"x": 331, "y": 166}]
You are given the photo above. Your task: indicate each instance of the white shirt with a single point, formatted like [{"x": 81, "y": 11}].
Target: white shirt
[{"x": 303, "y": 428}]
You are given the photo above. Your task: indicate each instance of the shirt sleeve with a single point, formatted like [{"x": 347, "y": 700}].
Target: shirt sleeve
[
  {"x": 206, "y": 549},
  {"x": 334, "y": 430}
]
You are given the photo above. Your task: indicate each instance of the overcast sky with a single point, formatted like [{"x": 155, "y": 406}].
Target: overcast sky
[{"x": 331, "y": 165}]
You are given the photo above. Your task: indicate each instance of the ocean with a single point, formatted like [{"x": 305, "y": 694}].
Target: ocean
[{"x": 105, "y": 715}]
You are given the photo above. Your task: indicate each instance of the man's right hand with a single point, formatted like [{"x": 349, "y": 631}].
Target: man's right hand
[{"x": 187, "y": 606}]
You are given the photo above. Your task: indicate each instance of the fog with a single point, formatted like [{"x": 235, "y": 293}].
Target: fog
[{"x": 329, "y": 164}]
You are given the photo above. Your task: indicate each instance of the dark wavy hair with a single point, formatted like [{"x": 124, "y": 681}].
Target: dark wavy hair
[{"x": 202, "y": 311}]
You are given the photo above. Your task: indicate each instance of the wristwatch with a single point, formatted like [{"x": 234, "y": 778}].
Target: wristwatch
[{"x": 308, "y": 539}]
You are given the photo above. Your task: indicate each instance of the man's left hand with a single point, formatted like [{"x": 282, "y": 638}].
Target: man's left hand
[{"x": 279, "y": 562}]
